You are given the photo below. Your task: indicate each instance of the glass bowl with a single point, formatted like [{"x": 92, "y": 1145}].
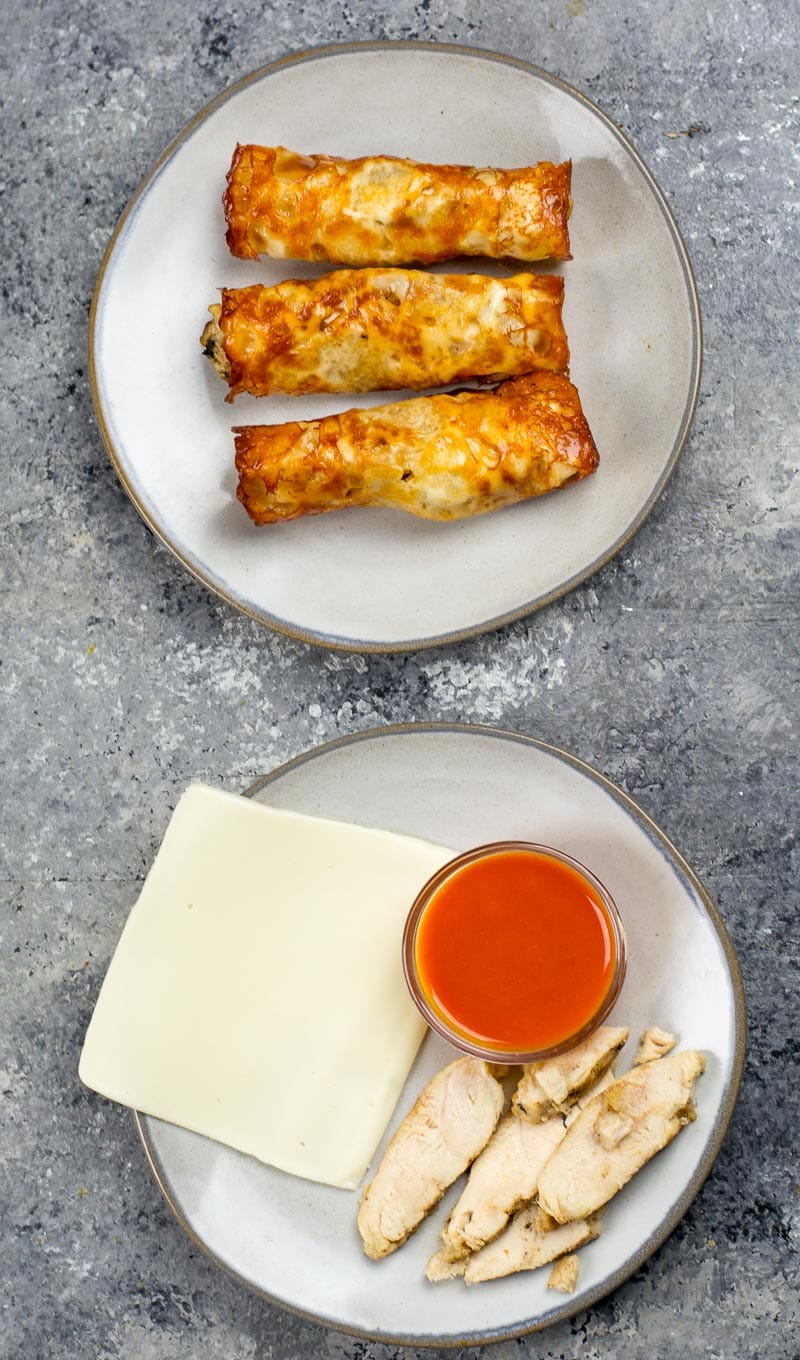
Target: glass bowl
[{"x": 482, "y": 1046}]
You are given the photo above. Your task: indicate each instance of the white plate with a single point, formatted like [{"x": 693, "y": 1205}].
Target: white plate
[
  {"x": 297, "y": 1242},
  {"x": 382, "y": 580}
]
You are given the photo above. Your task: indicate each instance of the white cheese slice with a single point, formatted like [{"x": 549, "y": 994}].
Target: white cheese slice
[{"x": 257, "y": 994}]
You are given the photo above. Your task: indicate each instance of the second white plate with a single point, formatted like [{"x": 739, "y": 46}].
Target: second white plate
[
  {"x": 381, "y": 580},
  {"x": 297, "y": 1242}
]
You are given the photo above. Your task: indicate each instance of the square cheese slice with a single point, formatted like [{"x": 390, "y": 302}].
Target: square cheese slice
[{"x": 257, "y": 993}]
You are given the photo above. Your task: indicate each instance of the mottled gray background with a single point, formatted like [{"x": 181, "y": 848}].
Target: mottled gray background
[{"x": 674, "y": 670}]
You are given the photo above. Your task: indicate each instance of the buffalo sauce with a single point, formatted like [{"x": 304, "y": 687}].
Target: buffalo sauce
[{"x": 516, "y": 951}]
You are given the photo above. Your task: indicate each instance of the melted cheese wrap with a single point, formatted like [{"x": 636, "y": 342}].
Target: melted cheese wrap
[
  {"x": 442, "y": 457},
  {"x": 364, "y": 329},
  {"x": 384, "y": 210}
]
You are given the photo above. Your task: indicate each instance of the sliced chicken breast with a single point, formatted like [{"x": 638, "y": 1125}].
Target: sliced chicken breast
[
  {"x": 531, "y": 1239},
  {"x": 654, "y": 1043},
  {"x": 564, "y": 1275},
  {"x": 503, "y": 1178},
  {"x": 617, "y": 1133},
  {"x": 451, "y": 1122},
  {"x": 547, "y": 1086}
]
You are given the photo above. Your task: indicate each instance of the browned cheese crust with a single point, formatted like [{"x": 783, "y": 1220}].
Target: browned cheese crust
[
  {"x": 361, "y": 330},
  {"x": 442, "y": 457},
  {"x": 386, "y": 210}
]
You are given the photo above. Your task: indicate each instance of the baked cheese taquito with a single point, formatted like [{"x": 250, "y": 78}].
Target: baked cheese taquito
[
  {"x": 387, "y": 210},
  {"x": 361, "y": 330},
  {"x": 442, "y": 457}
]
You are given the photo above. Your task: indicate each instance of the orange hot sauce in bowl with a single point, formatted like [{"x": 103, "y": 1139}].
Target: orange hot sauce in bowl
[{"x": 514, "y": 951}]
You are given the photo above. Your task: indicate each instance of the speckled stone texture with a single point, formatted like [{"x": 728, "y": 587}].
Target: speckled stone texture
[{"x": 674, "y": 670}]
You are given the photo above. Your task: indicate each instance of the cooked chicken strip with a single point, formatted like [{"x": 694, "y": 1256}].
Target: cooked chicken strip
[
  {"x": 503, "y": 1177},
  {"x": 618, "y": 1132},
  {"x": 546, "y": 1086},
  {"x": 564, "y": 1275},
  {"x": 530, "y": 1240},
  {"x": 654, "y": 1043},
  {"x": 449, "y": 1125}
]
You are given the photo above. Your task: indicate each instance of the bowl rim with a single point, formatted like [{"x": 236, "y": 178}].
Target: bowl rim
[{"x": 497, "y": 1053}]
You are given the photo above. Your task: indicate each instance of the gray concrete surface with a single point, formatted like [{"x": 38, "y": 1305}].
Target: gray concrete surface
[{"x": 674, "y": 670}]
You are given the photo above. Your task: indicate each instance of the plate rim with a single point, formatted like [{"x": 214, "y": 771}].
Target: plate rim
[
  {"x": 316, "y": 637},
  {"x": 680, "y": 1207}
]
